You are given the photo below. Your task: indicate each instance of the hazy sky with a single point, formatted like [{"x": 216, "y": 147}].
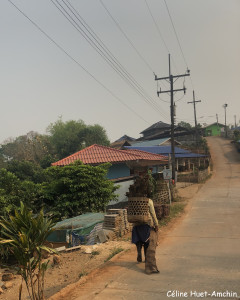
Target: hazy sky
[{"x": 39, "y": 82}]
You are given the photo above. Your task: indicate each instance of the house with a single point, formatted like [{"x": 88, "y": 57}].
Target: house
[
  {"x": 123, "y": 141},
  {"x": 185, "y": 160},
  {"x": 125, "y": 164},
  {"x": 156, "y": 128},
  {"x": 214, "y": 129},
  {"x": 123, "y": 161},
  {"x": 162, "y": 130}
]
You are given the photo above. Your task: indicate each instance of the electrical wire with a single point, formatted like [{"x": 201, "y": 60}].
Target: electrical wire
[
  {"x": 176, "y": 34},
  {"x": 101, "y": 49},
  {"x": 159, "y": 32},
  {"x": 180, "y": 98},
  {"x": 179, "y": 44},
  {"x": 125, "y": 35},
  {"x": 161, "y": 37},
  {"x": 75, "y": 61},
  {"x": 128, "y": 39}
]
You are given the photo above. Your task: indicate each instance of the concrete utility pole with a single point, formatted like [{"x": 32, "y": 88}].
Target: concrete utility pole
[
  {"x": 235, "y": 117},
  {"x": 225, "y": 108},
  {"x": 195, "y": 115},
  {"x": 170, "y": 79},
  {"x": 217, "y": 123}
]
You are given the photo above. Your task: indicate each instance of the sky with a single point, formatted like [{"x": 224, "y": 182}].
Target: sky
[{"x": 49, "y": 70}]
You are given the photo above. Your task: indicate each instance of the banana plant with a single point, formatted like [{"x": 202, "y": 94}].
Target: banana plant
[{"x": 25, "y": 235}]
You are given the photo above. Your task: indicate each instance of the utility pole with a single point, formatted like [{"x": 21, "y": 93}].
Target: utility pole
[
  {"x": 172, "y": 106},
  {"x": 235, "y": 117},
  {"x": 217, "y": 125},
  {"x": 195, "y": 115},
  {"x": 225, "y": 108}
]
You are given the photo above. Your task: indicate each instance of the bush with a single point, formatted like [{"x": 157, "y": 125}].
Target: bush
[{"x": 77, "y": 188}]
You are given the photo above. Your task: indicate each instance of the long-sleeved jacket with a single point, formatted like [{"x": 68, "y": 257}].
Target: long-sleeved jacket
[{"x": 153, "y": 221}]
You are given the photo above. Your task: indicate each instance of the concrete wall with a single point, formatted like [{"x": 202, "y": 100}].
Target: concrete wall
[{"x": 197, "y": 177}]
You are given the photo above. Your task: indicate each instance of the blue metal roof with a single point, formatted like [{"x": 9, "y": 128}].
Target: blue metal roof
[
  {"x": 157, "y": 142},
  {"x": 236, "y": 128},
  {"x": 189, "y": 155},
  {"x": 158, "y": 149},
  {"x": 166, "y": 150}
]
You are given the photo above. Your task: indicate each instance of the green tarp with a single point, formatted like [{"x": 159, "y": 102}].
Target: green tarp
[{"x": 82, "y": 225}]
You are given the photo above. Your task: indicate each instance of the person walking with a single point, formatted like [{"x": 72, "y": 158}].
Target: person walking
[{"x": 146, "y": 236}]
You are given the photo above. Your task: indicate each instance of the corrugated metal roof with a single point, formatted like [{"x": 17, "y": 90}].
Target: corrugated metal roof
[
  {"x": 158, "y": 125},
  {"x": 125, "y": 138},
  {"x": 147, "y": 155},
  {"x": 189, "y": 155},
  {"x": 157, "y": 142},
  {"x": 166, "y": 150},
  {"x": 215, "y": 123}
]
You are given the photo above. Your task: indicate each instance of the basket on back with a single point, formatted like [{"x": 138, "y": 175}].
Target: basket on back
[{"x": 138, "y": 211}]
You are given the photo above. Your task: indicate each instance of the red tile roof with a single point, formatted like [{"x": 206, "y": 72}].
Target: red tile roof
[{"x": 97, "y": 154}]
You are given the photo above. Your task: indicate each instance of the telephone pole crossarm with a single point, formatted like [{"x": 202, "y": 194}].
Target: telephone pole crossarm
[
  {"x": 195, "y": 101},
  {"x": 177, "y": 90},
  {"x": 173, "y": 76}
]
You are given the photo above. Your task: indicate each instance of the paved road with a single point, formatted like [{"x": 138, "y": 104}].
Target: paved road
[{"x": 202, "y": 254}]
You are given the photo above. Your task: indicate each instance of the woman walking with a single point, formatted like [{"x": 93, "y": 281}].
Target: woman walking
[{"x": 146, "y": 236}]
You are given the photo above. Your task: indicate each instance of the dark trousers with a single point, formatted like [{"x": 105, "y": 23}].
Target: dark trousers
[
  {"x": 150, "y": 263},
  {"x": 139, "y": 250}
]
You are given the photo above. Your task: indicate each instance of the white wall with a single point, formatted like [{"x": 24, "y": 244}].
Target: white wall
[{"x": 123, "y": 189}]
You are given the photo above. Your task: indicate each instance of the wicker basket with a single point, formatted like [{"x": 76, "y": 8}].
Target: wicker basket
[{"x": 138, "y": 211}]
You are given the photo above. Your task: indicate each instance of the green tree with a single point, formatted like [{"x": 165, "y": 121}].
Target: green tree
[
  {"x": 65, "y": 137},
  {"x": 71, "y": 136},
  {"x": 9, "y": 192},
  {"x": 95, "y": 134},
  {"x": 25, "y": 234},
  {"x": 185, "y": 125},
  {"x": 31, "y": 147},
  {"x": 26, "y": 170},
  {"x": 75, "y": 189},
  {"x": 13, "y": 191}
]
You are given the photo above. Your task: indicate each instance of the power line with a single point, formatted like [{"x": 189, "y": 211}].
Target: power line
[
  {"x": 179, "y": 44},
  {"x": 181, "y": 119},
  {"x": 176, "y": 34},
  {"x": 159, "y": 31},
  {"x": 128, "y": 39},
  {"x": 101, "y": 49},
  {"x": 75, "y": 61},
  {"x": 125, "y": 35}
]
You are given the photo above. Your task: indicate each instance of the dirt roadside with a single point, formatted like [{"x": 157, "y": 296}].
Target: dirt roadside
[{"x": 76, "y": 268}]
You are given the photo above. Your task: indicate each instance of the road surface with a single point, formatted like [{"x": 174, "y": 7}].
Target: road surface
[{"x": 200, "y": 258}]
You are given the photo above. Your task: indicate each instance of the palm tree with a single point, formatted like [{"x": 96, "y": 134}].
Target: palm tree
[{"x": 25, "y": 235}]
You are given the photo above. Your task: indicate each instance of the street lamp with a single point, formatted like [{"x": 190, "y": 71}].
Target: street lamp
[{"x": 225, "y": 108}]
